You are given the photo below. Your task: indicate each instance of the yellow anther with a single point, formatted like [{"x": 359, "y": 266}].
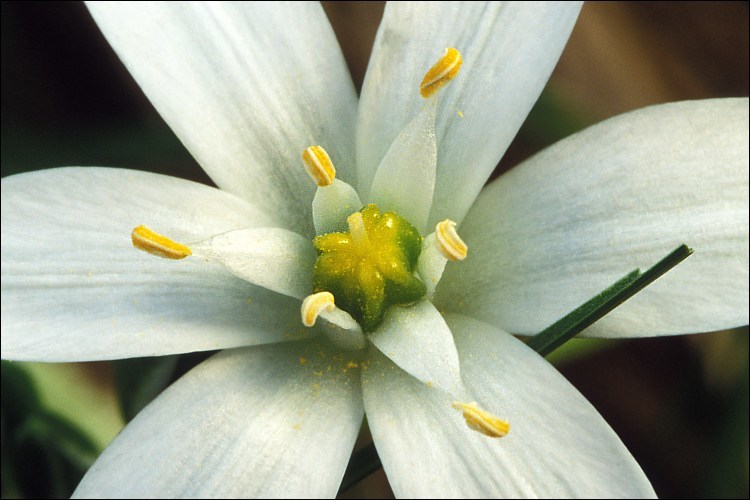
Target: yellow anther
[
  {"x": 448, "y": 242},
  {"x": 156, "y": 244},
  {"x": 315, "y": 304},
  {"x": 441, "y": 73},
  {"x": 319, "y": 165},
  {"x": 483, "y": 421}
]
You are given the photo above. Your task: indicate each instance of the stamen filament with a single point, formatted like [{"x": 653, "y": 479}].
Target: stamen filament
[
  {"x": 314, "y": 305},
  {"x": 357, "y": 230},
  {"x": 449, "y": 243},
  {"x": 319, "y": 165},
  {"x": 441, "y": 72},
  {"x": 156, "y": 244},
  {"x": 482, "y": 421}
]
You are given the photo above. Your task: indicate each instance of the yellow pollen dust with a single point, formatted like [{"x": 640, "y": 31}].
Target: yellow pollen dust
[
  {"x": 483, "y": 421},
  {"x": 157, "y": 244},
  {"x": 449, "y": 242},
  {"x": 315, "y": 304},
  {"x": 319, "y": 165},
  {"x": 441, "y": 72}
]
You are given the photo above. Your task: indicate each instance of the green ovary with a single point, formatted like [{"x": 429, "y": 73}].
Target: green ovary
[{"x": 368, "y": 273}]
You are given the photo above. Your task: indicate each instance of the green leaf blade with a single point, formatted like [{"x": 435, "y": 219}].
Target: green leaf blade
[{"x": 593, "y": 310}]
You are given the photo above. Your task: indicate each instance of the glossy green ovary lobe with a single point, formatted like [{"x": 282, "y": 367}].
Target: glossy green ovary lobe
[{"x": 367, "y": 276}]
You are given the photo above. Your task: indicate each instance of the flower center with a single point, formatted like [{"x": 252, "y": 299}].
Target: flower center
[
  {"x": 371, "y": 266},
  {"x": 368, "y": 260}
]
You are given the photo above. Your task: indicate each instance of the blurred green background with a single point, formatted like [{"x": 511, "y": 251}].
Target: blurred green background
[{"x": 680, "y": 404}]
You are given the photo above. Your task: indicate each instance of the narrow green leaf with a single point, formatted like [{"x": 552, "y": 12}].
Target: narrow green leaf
[
  {"x": 44, "y": 455},
  {"x": 587, "y": 314},
  {"x": 57, "y": 434},
  {"x": 19, "y": 394}
]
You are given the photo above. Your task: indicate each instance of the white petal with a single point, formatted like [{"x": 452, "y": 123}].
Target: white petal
[
  {"x": 509, "y": 50},
  {"x": 270, "y": 257},
  {"x": 558, "y": 445},
  {"x": 74, "y": 288},
  {"x": 247, "y": 423},
  {"x": 417, "y": 339},
  {"x": 246, "y": 87},
  {"x": 571, "y": 221},
  {"x": 405, "y": 179}
]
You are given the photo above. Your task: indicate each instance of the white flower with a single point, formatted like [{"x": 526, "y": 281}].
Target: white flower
[{"x": 247, "y": 88}]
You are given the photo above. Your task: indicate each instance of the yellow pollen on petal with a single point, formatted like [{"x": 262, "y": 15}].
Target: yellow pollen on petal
[
  {"x": 449, "y": 243},
  {"x": 157, "y": 244},
  {"x": 441, "y": 72},
  {"x": 319, "y": 165},
  {"x": 315, "y": 304},
  {"x": 482, "y": 421}
]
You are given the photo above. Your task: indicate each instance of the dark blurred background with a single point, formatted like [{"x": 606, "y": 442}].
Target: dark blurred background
[{"x": 680, "y": 404}]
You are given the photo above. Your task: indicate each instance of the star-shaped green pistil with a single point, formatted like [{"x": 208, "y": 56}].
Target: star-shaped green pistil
[{"x": 370, "y": 267}]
